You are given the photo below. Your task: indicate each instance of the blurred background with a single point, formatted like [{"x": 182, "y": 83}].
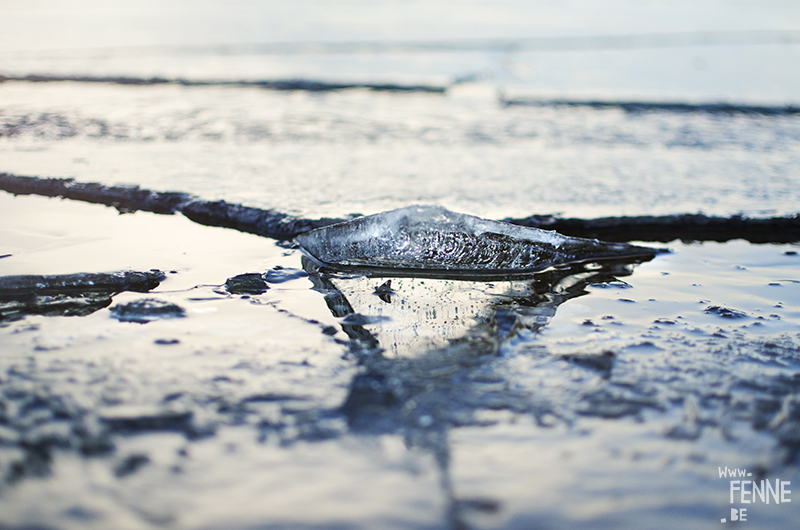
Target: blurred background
[
  {"x": 426, "y": 118},
  {"x": 704, "y": 49}
]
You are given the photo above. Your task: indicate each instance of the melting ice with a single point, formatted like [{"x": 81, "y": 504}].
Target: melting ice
[{"x": 433, "y": 240}]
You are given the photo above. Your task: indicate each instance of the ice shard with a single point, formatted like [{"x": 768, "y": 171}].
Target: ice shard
[{"x": 434, "y": 241}]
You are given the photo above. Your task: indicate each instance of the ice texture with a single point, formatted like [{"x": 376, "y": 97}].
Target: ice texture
[{"x": 433, "y": 239}]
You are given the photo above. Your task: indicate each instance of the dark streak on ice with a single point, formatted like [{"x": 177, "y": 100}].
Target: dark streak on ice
[
  {"x": 127, "y": 421},
  {"x": 642, "y": 106},
  {"x": 284, "y": 227},
  {"x": 131, "y": 465},
  {"x": 326, "y": 86},
  {"x": 68, "y": 294},
  {"x": 284, "y": 84},
  {"x": 268, "y": 223},
  {"x": 686, "y": 227},
  {"x": 53, "y": 284},
  {"x": 123, "y": 198}
]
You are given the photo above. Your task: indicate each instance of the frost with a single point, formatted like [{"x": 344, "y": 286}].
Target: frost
[{"x": 433, "y": 239}]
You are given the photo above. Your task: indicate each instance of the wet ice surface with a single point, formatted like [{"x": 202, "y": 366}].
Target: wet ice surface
[
  {"x": 598, "y": 395},
  {"x": 602, "y": 395},
  {"x": 374, "y": 152}
]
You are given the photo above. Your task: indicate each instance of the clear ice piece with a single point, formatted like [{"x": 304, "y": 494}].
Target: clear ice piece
[{"x": 435, "y": 240}]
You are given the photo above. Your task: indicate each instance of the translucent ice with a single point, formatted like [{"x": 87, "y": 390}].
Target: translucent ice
[{"x": 430, "y": 239}]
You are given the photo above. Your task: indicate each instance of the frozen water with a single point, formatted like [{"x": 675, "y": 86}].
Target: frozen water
[
  {"x": 597, "y": 395},
  {"x": 455, "y": 394},
  {"x": 433, "y": 239}
]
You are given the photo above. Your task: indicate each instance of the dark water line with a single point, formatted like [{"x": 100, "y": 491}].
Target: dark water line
[
  {"x": 643, "y": 106},
  {"x": 24, "y": 285},
  {"x": 268, "y": 223},
  {"x": 284, "y": 227},
  {"x": 287, "y": 84},
  {"x": 324, "y": 86},
  {"x": 686, "y": 227},
  {"x": 128, "y": 199},
  {"x": 124, "y": 198}
]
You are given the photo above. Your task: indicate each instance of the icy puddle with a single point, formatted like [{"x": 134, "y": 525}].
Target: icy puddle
[{"x": 596, "y": 395}]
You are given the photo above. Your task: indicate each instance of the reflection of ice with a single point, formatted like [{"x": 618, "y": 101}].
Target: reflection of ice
[
  {"x": 442, "y": 243},
  {"x": 427, "y": 353},
  {"x": 422, "y": 315}
]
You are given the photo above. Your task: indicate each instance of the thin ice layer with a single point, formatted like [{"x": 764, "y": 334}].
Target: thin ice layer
[{"x": 431, "y": 238}]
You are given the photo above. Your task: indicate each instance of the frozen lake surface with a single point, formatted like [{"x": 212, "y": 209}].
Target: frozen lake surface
[{"x": 607, "y": 394}]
